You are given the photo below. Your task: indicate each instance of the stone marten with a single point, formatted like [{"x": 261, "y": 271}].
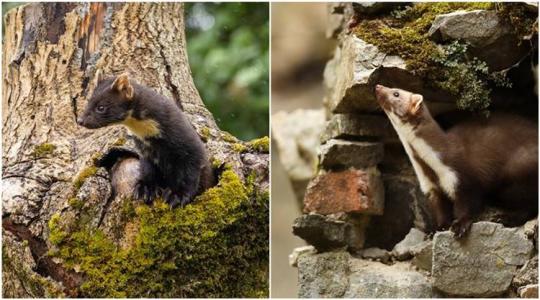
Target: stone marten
[
  {"x": 174, "y": 162},
  {"x": 493, "y": 159}
]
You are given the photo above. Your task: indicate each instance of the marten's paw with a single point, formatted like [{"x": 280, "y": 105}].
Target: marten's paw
[
  {"x": 144, "y": 192},
  {"x": 174, "y": 200},
  {"x": 460, "y": 227}
]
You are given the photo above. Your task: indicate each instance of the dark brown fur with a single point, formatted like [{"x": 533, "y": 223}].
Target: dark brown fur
[{"x": 495, "y": 158}]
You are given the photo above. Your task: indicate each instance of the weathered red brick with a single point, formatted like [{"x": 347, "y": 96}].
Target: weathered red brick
[{"x": 346, "y": 191}]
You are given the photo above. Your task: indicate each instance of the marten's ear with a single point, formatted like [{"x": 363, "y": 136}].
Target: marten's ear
[
  {"x": 99, "y": 75},
  {"x": 416, "y": 101},
  {"x": 121, "y": 84}
]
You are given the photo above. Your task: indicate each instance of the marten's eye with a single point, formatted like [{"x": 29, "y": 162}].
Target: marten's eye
[
  {"x": 100, "y": 109},
  {"x": 396, "y": 94}
]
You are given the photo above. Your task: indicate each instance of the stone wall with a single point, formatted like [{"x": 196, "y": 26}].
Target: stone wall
[{"x": 365, "y": 216}]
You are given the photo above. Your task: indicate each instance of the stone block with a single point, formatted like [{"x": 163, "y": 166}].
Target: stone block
[
  {"x": 404, "y": 249},
  {"x": 323, "y": 275},
  {"x": 327, "y": 232},
  {"x": 490, "y": 37},
  {"x": 369, "y": 279},
  {"x": 353, "y": 126},
  {"x": 482, "y": 264},
  {"x": 338, "y": 275},
  {"x": 345, "y": 154},
  {"x": 345, "y": 191},
  {"x": 357, "y": 67}
]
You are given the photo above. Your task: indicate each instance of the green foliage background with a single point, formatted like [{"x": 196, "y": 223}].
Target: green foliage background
[{"x": 228, "y": 46}]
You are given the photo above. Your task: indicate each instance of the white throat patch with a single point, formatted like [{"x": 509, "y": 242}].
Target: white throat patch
[{"x": 448, "y": 179}]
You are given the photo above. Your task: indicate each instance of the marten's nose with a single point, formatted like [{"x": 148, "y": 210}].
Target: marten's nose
[
  {"x": 378, "y": 87},
  {"x": 80, "y": 121}
]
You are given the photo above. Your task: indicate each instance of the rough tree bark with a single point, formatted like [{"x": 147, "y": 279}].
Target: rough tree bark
[{"x": 51, "y": 54}]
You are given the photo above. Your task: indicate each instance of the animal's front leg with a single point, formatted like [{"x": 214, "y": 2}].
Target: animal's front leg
[
  {"x": 441, "y": 208},
  {"x": 466, "y": 206},
  {"x": 146, "y": 187}
]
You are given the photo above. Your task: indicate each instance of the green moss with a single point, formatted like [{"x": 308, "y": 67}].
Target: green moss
[
  {"x": 75, "y": 203},
  {"x": 56, "y": 232},
  {"x": 239, "y": 147},
  {"x": 43, "y": 150},
  {"x": 521, "y": 19},
  {"x": 260, "y": 145},
  {"x": 214, "y": 247},
  {"x": 83, "y": 175},
  {"x": 120, "y": 142},
  {"x": 404, "y": 33}
]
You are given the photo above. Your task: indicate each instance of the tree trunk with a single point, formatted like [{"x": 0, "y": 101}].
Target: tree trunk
[{"x": 66, "y": 229}]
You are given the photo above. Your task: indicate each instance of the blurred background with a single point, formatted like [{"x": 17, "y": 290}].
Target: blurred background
[
  {"x": 228, "y": 51},
  {"x": 300, "y": 51},
  {"x": 228, "y": 54}
]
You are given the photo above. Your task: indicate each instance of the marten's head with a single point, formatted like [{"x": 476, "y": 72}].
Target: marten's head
[
  {"x": 110, "y": 103},
  {"x": 406, "y": 106}
]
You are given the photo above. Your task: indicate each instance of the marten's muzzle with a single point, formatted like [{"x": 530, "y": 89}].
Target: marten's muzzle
[{"x": 380, "y": 94}]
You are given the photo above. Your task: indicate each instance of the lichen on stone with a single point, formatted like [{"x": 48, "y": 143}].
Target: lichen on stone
[
  {"x": 215, "y": 247},
  {"x": 42, "y": 150},
  {"x": 403, "y": 32},
  {"x": 227, "y": 137},
  {"x": 205, "y": 133}
]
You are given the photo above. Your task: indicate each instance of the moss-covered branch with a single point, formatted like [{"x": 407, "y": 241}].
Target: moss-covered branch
[{"x": 186, "y": 252}]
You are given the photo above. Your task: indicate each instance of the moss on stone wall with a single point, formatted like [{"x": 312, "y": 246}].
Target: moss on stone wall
[
  {"x": 214, "y": 247},
  {"x": 403, "y": 32},
  {"x": 521, "y": 18}
]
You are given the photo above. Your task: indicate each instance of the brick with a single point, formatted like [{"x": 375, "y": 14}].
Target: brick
[
  {"x": 346, "y": 191},
  {"x": 342, "y": 153},
  {"x": 353, "y": 126}
]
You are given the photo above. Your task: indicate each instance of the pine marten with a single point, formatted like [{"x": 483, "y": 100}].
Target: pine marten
[
  {"x": 174, "y": 162},
  {"x": 493, "y": 159}
]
